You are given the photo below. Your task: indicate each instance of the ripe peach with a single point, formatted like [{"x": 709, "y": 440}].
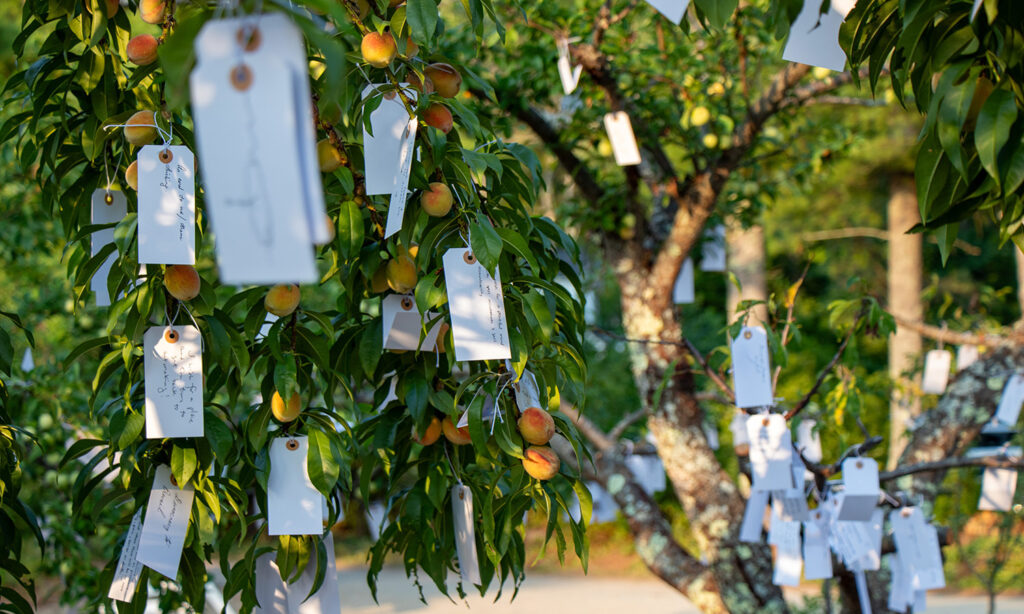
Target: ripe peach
[
  {"x": 282, "y": 299},
  {"x": 112, "y": 7},
  {"x": 541, "y": 462},
  {"x": 140, "y": 128},
  {"x": 438, "y": 116},
  {"x": 418, "y": 84},
  {"x": 411, "y": 48},
  {"x": 131, "y": 175},
  {"x": 379, "y": 49},
  {"x": 329, "y": 157},
  {"x": 285, "y": 412},
  {"x": 447, "y": 80},
  {"x": 436, "y": 200},
  {"x": 151, "y": 11},
  {"x": 141, "y": 49},
  {"x": 182, "y": 281},
  {"x": 536, "y": 426},
  {"x": 430, "y": 435},
  {"x": 458, "y": 436},
  {"x": 379, "y": 281},
  {"x": 401, "y": 274}
]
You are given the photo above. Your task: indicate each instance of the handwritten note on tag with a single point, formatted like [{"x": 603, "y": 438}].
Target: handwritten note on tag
[
  {"x": 479, "y": 329},
  {"x": 129, "y": 569},
  {"x": 860, "y": 489},
  {"x": 712, "y": 258},
  {"x": 814, "y": 38},
  {"x": 465, "y": 534},
  {"x": 788, "y": 559},
  {"x": 400, "y": 191},
  {"x": 936, "y": 371},
  {"x": 327, "y": 599},
  {"x": 108, "y": 207},
  {"x": 165, "y": 524},
  {"x": 174, "y": 382},
  {"x": 673, "y": 10},
  {"x": 770, "y": 452},
  {"x": 1011, "y": 400},
  {"x": 682, "y": 291},
  {"x": 167, "y": 205},
  {"x": 402, "y": 324},
  {"x": 293, "y": 503},
  {"x": 997, "y": 489},
  {"x": 382, "y": 150},
  {"x": 751, "y": 369},
  {"x": 620, "y": 133}
]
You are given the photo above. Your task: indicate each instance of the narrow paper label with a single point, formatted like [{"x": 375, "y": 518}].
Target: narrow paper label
[
  {"x": 402, "y": 325},
  {"x": 477, "y": 307},
  {"x": 382, "y": 150},
  {"x": 293, "y": 503},
  {"x": 271, "y": 591},
  {"x": 788, "y": 559},
  {"x": 108, "y": 207},
  {"x": 860, "y": 489},
  {"x": 997, "y": 489},
  {"x": 465, "y": 534},
  {"x": 620, "y": 133},
  {"x": 966, "y": 355},
  {"x": 918, "y": 546},
  {"x": 165, "y": 524},
  {"x": 936, "y": 371},
  {"x": 400, "y": 192},
  {"x": 808, "y": 442},
  {"x": 753, "y": 516},
  {"x": 673, "y": 10},
  {"x": 174, "y": 382},
  {"x": 126, "y": 576},
  {"x": 167, "y": 205},
  {"x": 682, "y": 291},
  {"x": 770, "y": 452},
  {"x": 327, "y": 599},
  {"x": 817, "y": 556},
  {"x": 814, "y": 38},
  {"x": 751, "y": 368},
  {"x": 1011, "y": 400}
]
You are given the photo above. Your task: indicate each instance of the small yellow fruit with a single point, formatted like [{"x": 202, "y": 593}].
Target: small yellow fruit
[
  {"x": 131, "y": 175},
  {"x": 328, "y": 156},
  {"x": 379, "y": 49},
  {"x": 182, "y": 281},
  {"x": 379, "y": 281},
  {"x": 430, "y": 435},
  {"x": 401, "y": 274},
  {"x": 140, "y": 129},
  {"x": 436, "y": 200},
  {"x": 820, "y": 72},
  {"x": 716, "y": 89},
  {"x": 282, "y": 299},
  {"x": 710, "y": 140},
  {"x": 604, "y": 148},
  {"x": 699, "y": 116},
  {"x": 458, "y": 436},
  {"x": 285, "y": 412}
]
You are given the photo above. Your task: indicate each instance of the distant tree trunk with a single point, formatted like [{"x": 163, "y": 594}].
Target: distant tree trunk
[
  {"x": 904, "y": 298},
  {"x": 745, "y": 256},
  {"x": 1019, "y": 257}
]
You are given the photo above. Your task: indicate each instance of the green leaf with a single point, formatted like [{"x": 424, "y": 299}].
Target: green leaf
[
  {"x": 285, "y": 376},
  {"x": 417, "y": 392},
  {"x": 371, "y": 346},
  {"x": 183, "y": 464},
  {"x": 421, "y": 15},
  {"x": 350, "y": 229},
  {"x": 485, "y": 243},
  {"x": 322, "y": 461},
  {"x": 993, "y": 129},
  {"x": 132, "y": 428},
  {"x": 718, "y": 12}
]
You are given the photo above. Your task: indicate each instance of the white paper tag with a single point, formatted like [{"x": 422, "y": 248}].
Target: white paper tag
[
  {"x": 918, "y": 546},
  {"x": 682, "y": 291},
  {"x": 649, "y": 472},
  {"x": 27, "y": 362},
  {"x": 788, "y": 559},
  {"x": 738, "y": 427},
  {"x": 376, "y": 519},
  {"x": 816, "y": 42},
  {"x": 108, "y": 207},
  {"x": 711, "y": 434},
  {"x": 771, "y": 452},
  {"x": 382, "y": 151},
  {"x": 568, "y": 74},
  {"x": 753, "y": 516},
  {"x": 126, "y": 576},
  {"x": 392, "y": 394},
  {"x": 527, "y": 394},
  {"x": 293, "y": 503},
  {"x": 165, "y": 524},
  {"x": 477, "y": 307},
  {"x": 936, "y": 371},
  {"x": 794, "y": 500},
  {"x": 327, "y": 599},
  {"x": 966, "y": 355},
  {"x": 997, "y": 489},
  {"x": 712, "y": 251},
  {"x": 400, "y": 191},
  {"x": 751, "y": 368},
  {"x": 863, "y": 596},
  {"x": 167, "y": 205},
  {"x": 401, "y": 324},
  {"x": 174, "y": 382},
  {"x": 860, "y": 489},
  {"x": 248, "y": 135},
  {"x": 620, "y": 133},
  {"x": 808, "y": 442},
  {"x": 1011, "y": 400},
  {"x": 817, "y": 555},
  {"x": 465, "y": 535},
  {"x": 673, "y": 10},
  {"x": 900, "y": 594},
  {"x": 271, "y": 590}
]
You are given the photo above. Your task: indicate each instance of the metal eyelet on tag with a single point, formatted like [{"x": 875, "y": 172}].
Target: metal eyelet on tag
[
  {"x": 407, "y": 303},
  {"x": 747, "y": 335},
  {"x": 860, "y": 464},
  {"x": 462, "y": 494},
  {"x": 249, "y": 38},
  {"x": 171, "y": 335},
  {"x": 469, "y": 258},
  {"x": 905, "y": 513},
  {"x": 241, "y": 77},
  {"x": 174, "y": 481},
  {"x": 166, "y": 156},
  {"x": 765, "y": 422},
  {"x": 292, "y": 444},
  {"x": 108, "y": 198}
]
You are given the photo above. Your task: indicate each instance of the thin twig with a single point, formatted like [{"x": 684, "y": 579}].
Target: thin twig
[
  {"x": 628, "y": 420},
  {"x": 790, "y": 308},
  {"x": 828, "y": 368},
  {"x": 708, "y": 371},
  {"x": 997, "y": 462}
]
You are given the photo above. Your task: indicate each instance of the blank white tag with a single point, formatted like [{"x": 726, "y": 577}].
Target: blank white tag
[
  {"x": 165, "y": 524},
  {"x": 936, "y": 371},
  {"x": 126, "y": 576},
  {"x": 568, "y": 74},
  {"x": 327, "y": 599},
  {"x": 673, "y": 10},
  {"x": 271, "y": 590},
  {"x": 382, "y": 151},
  {"x": 788, "y": 559},
  {"x": 527, "y": 395},
  {"x": 465, "y": 535},
  {"x": 751, "y": 368},
  {"x": 293, "y": 503},
  {"x": 649, "y": 471},
  {"x": 400, "y": 191},
  {"x": 167, "y": 205},
  {"x": 477, "y": 308},
  {"x": 817, "y": 556},
  {"x": 682, "y": 291},
  {"x": 900, "y": 594},
  {"x": 817, "y": 43},
  {"x": 620, "y": 133},
  {"x": 966, "y": 355},
  {"x": 402, "y": 325},
  {"x": 102, "y": 212},
  {"x": 770, "y": 452},
  {"x": 1011, "y": 400},
  {"x": 808, "y": 442},
  {"x": 713, "y": 250},
  {"x": 997, "y": 489},
  {"x": 738, "y": 427},
  {"x": 27, "y": 362},
  {"x": 860, "y": 489},
  {"x": 753, "y": 516},
  {"x": 174, "y": 382},
  {"x": 247, "y": 133}
]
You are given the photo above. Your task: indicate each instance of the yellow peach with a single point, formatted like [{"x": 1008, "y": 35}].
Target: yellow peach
[
  {"x": 131, "y": 175},
  {"x": 536, "y": 426},
  {"x": 285, "y": 412},
  {"x": 328, "y": 156},
  {"x": 282, "y": 299},
  {"x": 182, "y": 281},
  {"x": 436, "y": 200},
  {"x": 140, "y": 129},
  {"x": 447, "y": 81},
  {"x": 458, "y": 436},
  {"x": 438, "y": 116},
  {"x": 430, "y": 435},
  {"x": 379, "y": 49},
  {"x": 401, "y": 274},
  {"x": 141, "y": 49},
  {"x": 151, "y": 11},
  {"x": 541, "y": 462}
]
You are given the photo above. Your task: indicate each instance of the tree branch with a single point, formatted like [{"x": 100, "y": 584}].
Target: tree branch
[
  {"x": 590, "y": 430},
  {"x": 802, "y": 403},
  {"x": 628, "y": 420},
  {"x": 995, "y": 462},
  {"x": 955, "y": 338}
]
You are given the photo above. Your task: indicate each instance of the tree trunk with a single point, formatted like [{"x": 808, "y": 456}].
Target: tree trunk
[
  {"x": 746, "y": 260},
  {"x": 904, "y": 297},
  {"x": 1019, "y": 257}
]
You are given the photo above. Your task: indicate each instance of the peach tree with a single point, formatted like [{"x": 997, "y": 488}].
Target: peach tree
[{"x": 371, "y": 416}]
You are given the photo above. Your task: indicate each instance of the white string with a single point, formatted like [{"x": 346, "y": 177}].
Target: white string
[
  {"x": 166, "y": 135},
  {"x": 458, "y": 478},
  {"x": 191, "y": 317}
]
